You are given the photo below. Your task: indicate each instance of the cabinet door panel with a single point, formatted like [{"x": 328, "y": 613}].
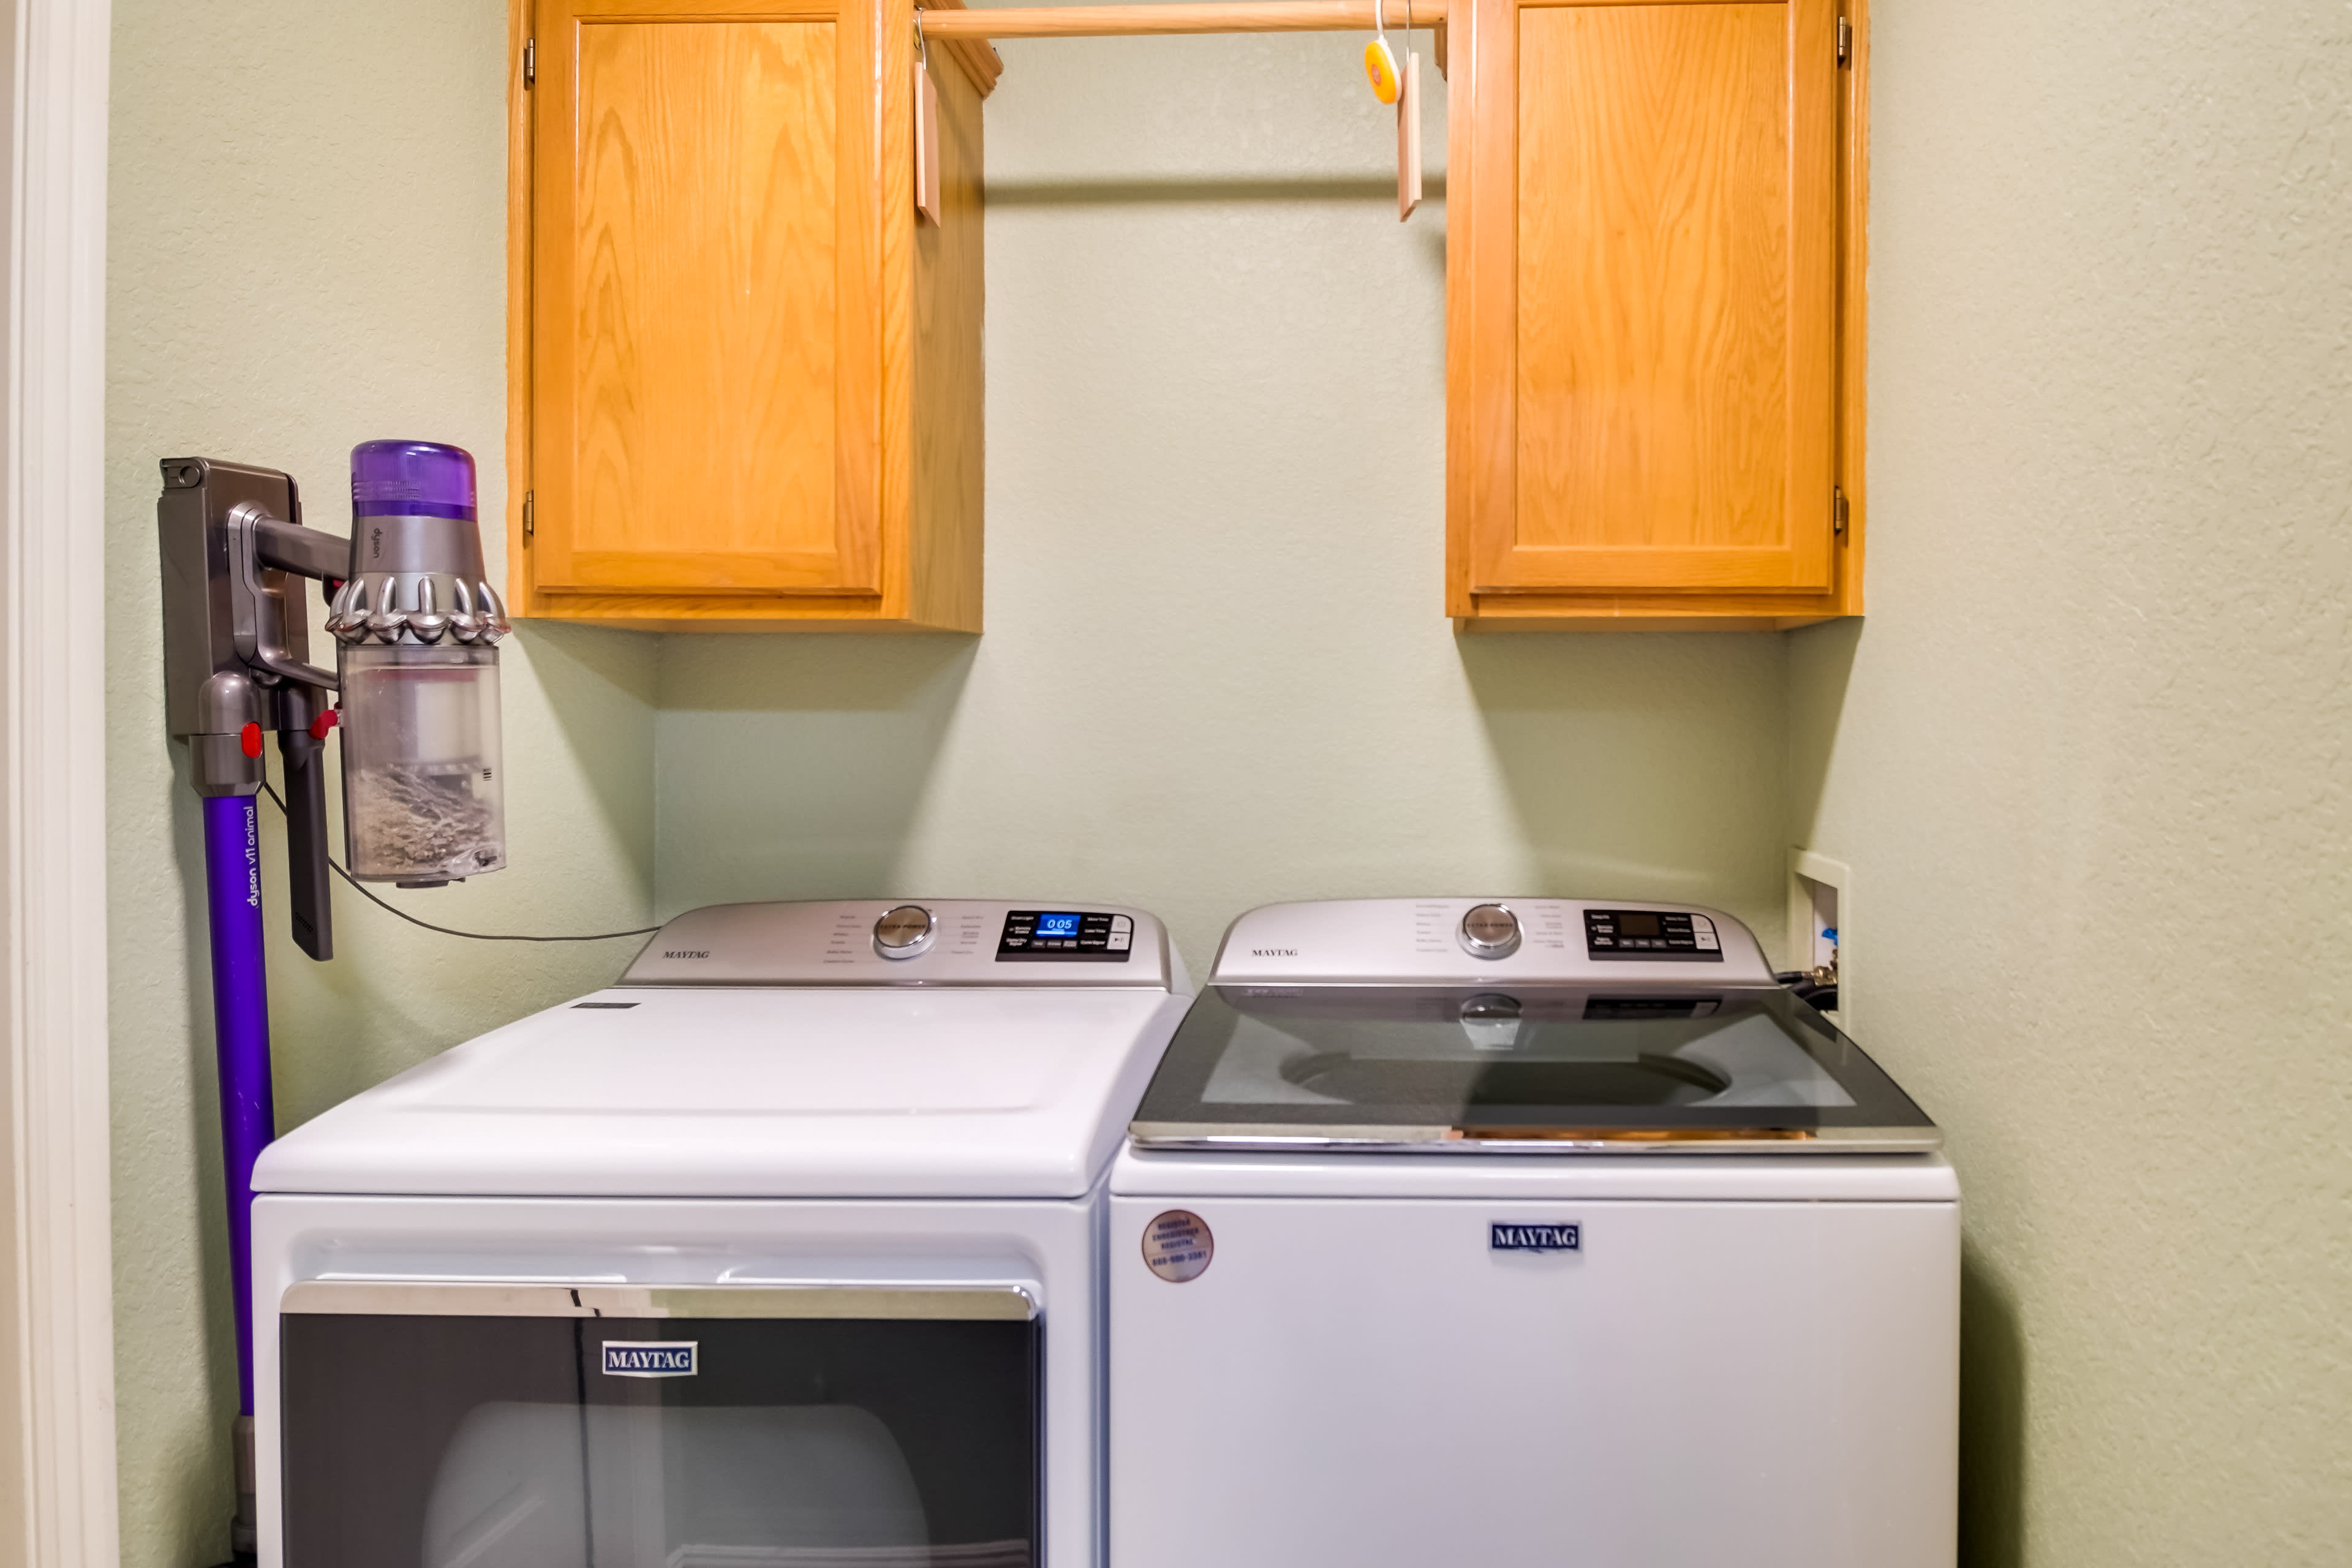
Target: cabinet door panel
[
  {"x": 700, "y": 416},
  {"x": 1669, "y": 404}
]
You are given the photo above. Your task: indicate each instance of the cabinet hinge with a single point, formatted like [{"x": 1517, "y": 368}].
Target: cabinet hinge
[
  {"x": 1844, "y": 42},
  {"x": 531, "y": 522},
  {"x": 531, "y": 58},
  {"x": 1837, "y": 509}
]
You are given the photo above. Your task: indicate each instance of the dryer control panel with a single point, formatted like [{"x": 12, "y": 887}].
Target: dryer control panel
[{"x": 910, "y": 941}]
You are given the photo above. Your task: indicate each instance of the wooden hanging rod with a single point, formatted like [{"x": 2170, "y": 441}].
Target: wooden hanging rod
[{"x": 1136, "y": 21}]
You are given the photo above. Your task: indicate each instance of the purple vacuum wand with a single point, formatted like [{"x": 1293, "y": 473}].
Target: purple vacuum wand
[
  {"x": 418, "y": 628},
  {"x": 241, "y": 1034}
]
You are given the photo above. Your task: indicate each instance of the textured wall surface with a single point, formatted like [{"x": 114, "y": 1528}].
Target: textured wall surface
[
  {"x": 308, "y": 250},
  {"x": 2088, "y": 753},
  {"x": 1216, "y": 671}
]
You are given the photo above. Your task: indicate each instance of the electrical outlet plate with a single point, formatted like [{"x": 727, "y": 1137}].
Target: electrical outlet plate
[{"x": 1820, "y": 898}]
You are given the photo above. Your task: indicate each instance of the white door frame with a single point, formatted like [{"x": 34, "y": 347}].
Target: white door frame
[{"x": 57, "y": 1327}]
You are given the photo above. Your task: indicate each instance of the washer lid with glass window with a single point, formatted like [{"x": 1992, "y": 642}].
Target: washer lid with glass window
[
  {"x": 1501, "y": 1026},
  {"x": 924, "y": 1048}
]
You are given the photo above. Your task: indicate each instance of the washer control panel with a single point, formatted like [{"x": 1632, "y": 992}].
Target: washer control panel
[
  {"x": 1065, "y": 936},
  {"x": 1487, "y": 942},
  {"x": 1650, "y": 934}
]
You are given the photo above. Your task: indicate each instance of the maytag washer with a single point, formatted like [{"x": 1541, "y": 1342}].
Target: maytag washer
[
  {"x": 782, "y": 1251},
  {"x": 1520, "y": 1233}
]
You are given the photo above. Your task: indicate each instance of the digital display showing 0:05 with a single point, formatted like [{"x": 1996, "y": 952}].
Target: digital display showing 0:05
[{"x": 1052, "y": 926}]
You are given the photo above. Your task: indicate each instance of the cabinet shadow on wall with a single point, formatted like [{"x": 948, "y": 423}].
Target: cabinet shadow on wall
[
  {"x": 1821, "y": 663},
  {"x": 1642, "y": 764},
  {"x": 599, "y": 684},
  {"x": 791, "y": 766},
  {"x": 1992, "y": 1420}
]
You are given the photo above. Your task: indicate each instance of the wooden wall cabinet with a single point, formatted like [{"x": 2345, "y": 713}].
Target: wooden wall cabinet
[
  {"x": 744, "y": 384},
  {"x": 746, "y": 387},
  {"x": 1653, "y": 314}
]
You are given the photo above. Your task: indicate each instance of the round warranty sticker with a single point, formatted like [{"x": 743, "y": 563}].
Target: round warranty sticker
[{"x": 1177, "y": 1246}]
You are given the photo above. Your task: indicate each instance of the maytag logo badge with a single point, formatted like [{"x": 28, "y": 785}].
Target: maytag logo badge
[
  {"x": 1501, "y": 1238},
  {"x": 650, "y": 1357}
]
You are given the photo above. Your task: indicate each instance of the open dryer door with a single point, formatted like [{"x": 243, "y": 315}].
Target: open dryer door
[{"x": 542, "y": 1426}]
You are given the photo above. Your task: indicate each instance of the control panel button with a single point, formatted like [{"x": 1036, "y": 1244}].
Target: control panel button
[
  {"x": 1490, "y": 931},
  {"x": 903, "y": 932}
]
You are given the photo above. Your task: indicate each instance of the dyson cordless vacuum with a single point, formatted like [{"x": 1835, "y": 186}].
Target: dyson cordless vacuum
[{"x": 416, "y": 628}]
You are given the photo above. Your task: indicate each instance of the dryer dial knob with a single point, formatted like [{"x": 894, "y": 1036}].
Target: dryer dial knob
[
  {"x": 1491, "y": 930},
  {"x": 903, "y": 932}
]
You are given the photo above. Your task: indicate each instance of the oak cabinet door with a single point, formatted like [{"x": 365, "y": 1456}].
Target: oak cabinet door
[
  {"x": 706, "y": 338},
  {"x": 1644, "y": 372}
]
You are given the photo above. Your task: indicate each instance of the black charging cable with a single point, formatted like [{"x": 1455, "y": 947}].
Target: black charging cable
[{"x": 360, "y": 888}]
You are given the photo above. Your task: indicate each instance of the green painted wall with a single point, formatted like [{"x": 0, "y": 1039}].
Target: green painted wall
[
  {"x": 307, "y": 250},
  {"x": 1217, "y": 671},
  {"x": 2088, "y": 753},
  {"x": 2094, "y": 722}
]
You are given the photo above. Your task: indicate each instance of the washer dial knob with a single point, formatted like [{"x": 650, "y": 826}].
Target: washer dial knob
[
  {"x": 903, "y": 932},
  {"x": 1491, "y": 930}
]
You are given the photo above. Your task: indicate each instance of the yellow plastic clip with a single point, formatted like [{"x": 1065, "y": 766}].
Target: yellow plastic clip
[{"x": 1380, "y": 60}]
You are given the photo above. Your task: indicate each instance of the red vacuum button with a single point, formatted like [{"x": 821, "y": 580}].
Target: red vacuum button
[{"x": 250, "y": 739}]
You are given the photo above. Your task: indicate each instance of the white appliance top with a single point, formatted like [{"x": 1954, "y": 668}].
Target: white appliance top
[
  {"x": 1482, "y": 941},
  {"x": 1526, "y": 1027},
  {"x": 796, "y": 1075}
]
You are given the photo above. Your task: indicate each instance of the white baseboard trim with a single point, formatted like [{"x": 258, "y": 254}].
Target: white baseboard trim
[{"x": 62, "y": 1503}]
